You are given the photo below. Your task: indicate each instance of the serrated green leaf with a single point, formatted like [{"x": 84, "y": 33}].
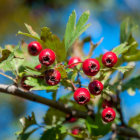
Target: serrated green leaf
[
  {"x": 78, "y": 33},
  {"x": 70, "y": 28},
  {"x": 82, "y": 20},
  {"x": 27, "y": 122},
  {"x": 51, "y": 41},
  {"x": 32, "y": 72},
  {"x": 122, "y": 48},
  {"x": 9, "y": 63},
  {"x": 73, "y": 32},
  {"x": 29, "y": 35},
  {"x": 25, "y": 136},
  {"x": 62, "y": 70},
  {"x": 53, "y": 133},
  {"x": 31, "y": 31},
  {"x": 132, "y": 83},
  {"x": 52, "y": 116},
  {"x": 39, "y": 84},
  {"x": 127, "y": 27},
  {"x": 123, "y": 69}
]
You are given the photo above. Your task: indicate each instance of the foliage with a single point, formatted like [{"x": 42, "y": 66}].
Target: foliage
[{"x": 55, "y": 126}]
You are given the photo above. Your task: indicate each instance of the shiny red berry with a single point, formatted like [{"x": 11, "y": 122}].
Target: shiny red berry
[
  {"x": 34, "y": 48},
  {"x": 24, "y": 85},
  {"x": 82, "y": 96},
  {"x": 74, "y": 60},
  {"x": 38, "y": 67},
  {"x": 91, "y": 67},
  {"x": 108, "y": 115},
  {"x": 95, "y": 87},
  {"x": 109, "y": 59},
  {"x": 52, "y": 77},
  {"x": 47, "y": 57},
  {"x": 75, "y": 131},
  {"x": 107, "y": 103}
]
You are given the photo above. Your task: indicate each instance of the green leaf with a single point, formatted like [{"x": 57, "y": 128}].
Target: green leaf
[
  {"x": 9, "y": 64},
  {"x": 54, "y": 133},
  {"x": 4, "y": 54},
  {"x": 31, "y": 31},
  {"x": 39, "y": 84},
  {"x": 132, "y": 83},
  {"x": 25, "y": 136},
  {"x": 127, "y": 27},
  {"x": 73, "y": 32},
  {"x": 122, "y": 48},
  {"x": 132, "y": 57},
  {"x": 29, "y": 35},
  {"x": 32, "y": 72},
  {"x": 46, "y": 34},
  {"x": 53, "y": 42},
  {"x": 134, "y": 120},
  {"x": 123, "y": 69},
  {"x": 90, "y": 124},
  {"x": 70, "y": 28},
  {"x": 52, "y": 116},
  {"x": 62, "y": 70},
  {"x": 27, "y": 122},
  {"x": 31, "y": 61}
]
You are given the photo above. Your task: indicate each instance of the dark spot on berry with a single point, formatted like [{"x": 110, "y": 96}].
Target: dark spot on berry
[
  {"x": 82, "y": 99},
  {"x": 33, "y": 49},
  {"x": 52, "y": 78},
  {"x": 96, "y": 89},
  {"x": 109, "y": 61},
  {"x": 46, "y": 59},
  {"x": 108, "y": 117}
]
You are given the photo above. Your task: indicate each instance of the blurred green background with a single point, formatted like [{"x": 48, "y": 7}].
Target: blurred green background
[{"x": 106, "y": 16}]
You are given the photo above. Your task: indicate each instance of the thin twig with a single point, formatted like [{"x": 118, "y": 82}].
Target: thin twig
[
  {"x": 72, "y": 64},
  {"x": 93, "y": 47},
  {"x": 9, "y": 77}
]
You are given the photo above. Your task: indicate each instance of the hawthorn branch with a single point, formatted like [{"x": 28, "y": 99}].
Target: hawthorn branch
[
  {"x": 124, "y": 131},
  {"x": 15, "y": 91}
]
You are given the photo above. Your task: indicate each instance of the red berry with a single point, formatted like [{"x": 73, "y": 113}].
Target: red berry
[
  {"x": 47, "y": 57},
  {"x": 95, "y": 87},
  {"x": 107, "y": 103},
  {"x": 52, "y": 77},
  {"x": 81, "y": 96},
  {"x": 108, "y": 115},
  {"x": 109, "y": 59},
  {"x": 75, "y": 131},
  {"x": 34, "y": 48},
  {"x": 74, "y": 60},
  {"x": 91, "y": 67},
  {"x": 38, "y": 67},
  {"x": 23, "y": 85}
]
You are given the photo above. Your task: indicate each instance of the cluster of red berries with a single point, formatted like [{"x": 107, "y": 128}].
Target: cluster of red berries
[
  {"x": 90, "y": 67},
  {"x": 47, "y": 58}
]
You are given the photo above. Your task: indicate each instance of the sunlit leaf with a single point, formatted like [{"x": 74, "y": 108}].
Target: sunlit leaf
[
  {"x": 39, "y": 84},
  {"x": 73, "y": 32}
]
